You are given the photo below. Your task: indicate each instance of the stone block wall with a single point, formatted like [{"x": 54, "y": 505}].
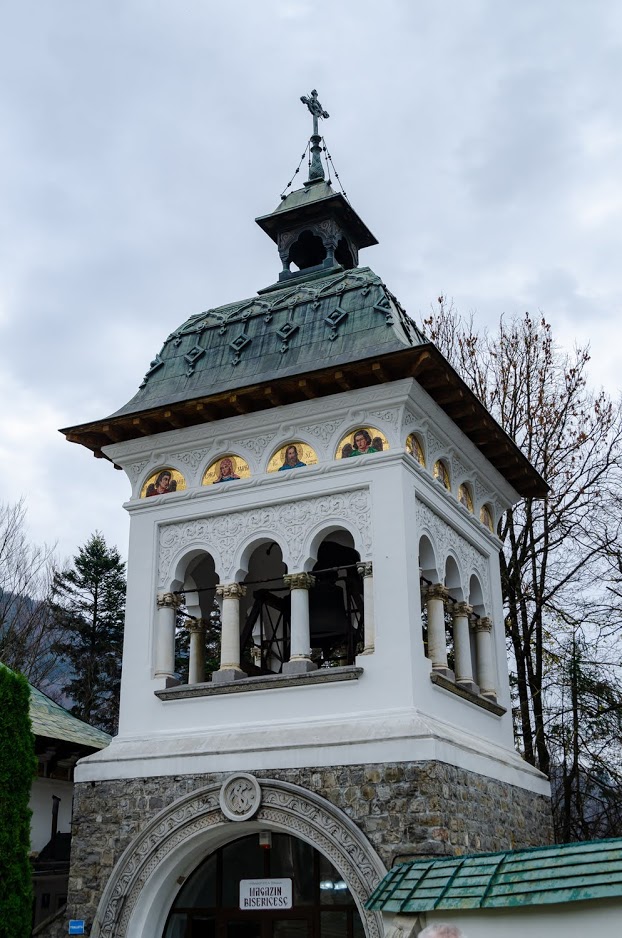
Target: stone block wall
[{"x": 404, "y": 809}]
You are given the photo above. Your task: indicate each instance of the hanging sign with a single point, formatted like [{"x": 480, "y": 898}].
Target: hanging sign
[
  {"x": 76, "y": 926},
  {"x": 265, "y": 893}
]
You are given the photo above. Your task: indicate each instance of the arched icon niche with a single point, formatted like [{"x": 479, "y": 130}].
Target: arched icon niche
[
  {"x": 414, "y": 448},
  {"x": 163, "y": 482},
  {"x": 292, "y": 455},
  {"x": 227, "y": 468},
  {"x": 360, "y": 441}
]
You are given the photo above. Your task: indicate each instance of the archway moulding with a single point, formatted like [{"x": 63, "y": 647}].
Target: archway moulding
[
  {"x": 226, "y": 535},
  {"x": 133, "y": 893}
]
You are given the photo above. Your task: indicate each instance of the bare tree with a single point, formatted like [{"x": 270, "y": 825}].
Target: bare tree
[
  {"x": 557, "y": 552},
  {"x": 26, "y": 573}
]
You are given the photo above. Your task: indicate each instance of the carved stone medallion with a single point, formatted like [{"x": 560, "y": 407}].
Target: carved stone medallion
[{"x": 240, "y": 797}]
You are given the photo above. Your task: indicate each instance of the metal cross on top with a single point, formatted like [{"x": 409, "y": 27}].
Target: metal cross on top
[{"x": 316, "y": 109}]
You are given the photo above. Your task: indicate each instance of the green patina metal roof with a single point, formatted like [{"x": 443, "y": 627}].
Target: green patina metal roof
[
  {"x": 51, "y": 720},
  {"x": 345, "y": 317},
  {"x": 537, "y": 876}
]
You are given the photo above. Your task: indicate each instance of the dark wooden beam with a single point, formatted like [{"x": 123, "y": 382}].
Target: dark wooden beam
[{"x": 343, "y": 381}]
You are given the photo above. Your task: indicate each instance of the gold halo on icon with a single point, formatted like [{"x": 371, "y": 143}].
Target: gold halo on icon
[
  {"x": 415, "y": 448},
  {"x": 378, "y": 442},
  {"x": 465, "y": 497},
  {"x": 154, "y": 484},
  {"x": 441, "y": 474},
  {"x": 485, "y": 516},
  {"x": 284, "y": 458},
  {"x": 226, "y": 468}
]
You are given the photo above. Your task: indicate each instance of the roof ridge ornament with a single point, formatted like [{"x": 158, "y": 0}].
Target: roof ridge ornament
[{"x": 316, "y": 170}]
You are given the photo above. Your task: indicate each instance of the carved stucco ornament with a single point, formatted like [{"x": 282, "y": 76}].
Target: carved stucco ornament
[{"x": 240, "y": 797}]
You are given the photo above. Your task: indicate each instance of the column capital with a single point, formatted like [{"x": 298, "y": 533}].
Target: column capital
[
  {"x": 197, "y": 625},
  {"x": 462, "y": 609},
  {"x": 299, "y": 581},
  {"x": 483, "y": 624},
  {"x": 437, "y": 591},
  {"x": 365, "y": 568},
  {"x": 169, "y": 600},
  {"x": 231, "y": 589}
]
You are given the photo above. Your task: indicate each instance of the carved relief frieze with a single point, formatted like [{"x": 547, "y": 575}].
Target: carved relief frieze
[
  {"x": 135, "y": 471},
  {"x": 283, "y": 806},
  {"x": 391, "y": 417},
  {"x": 191, "y": 458},
  {"x": 289, "y": 523},
  {"x": 447, "y": 540},
  {"x": 257, "y": 444}
]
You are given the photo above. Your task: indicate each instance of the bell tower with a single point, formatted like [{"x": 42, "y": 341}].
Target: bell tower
[{"x": 314, "y": 659}]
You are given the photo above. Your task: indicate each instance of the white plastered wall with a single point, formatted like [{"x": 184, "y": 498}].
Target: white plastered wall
[{"x": 392, "y": 712}]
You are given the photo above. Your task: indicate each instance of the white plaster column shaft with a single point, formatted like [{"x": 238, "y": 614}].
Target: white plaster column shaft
[
  {"x": 366, "y": 570},
  {"x": 196, "y": 670},
  {"x": 300, "y": 641},
  {"x": 436, "y": 596},
  {"x": 167, "y": 604},
  {"x": 485, "y": 665},
  {"x": 462, "y": 643},
  {"x": 230, "y": 633}
]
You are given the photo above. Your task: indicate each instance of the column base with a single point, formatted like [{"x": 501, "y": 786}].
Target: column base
[
  {"x": 446, "y": 672},
  {"x": 224, "y": 675},
  {"x": 489, "y": 694},
  {"x": 298, "y": 666},
  {"x": 468, "y": 685}
]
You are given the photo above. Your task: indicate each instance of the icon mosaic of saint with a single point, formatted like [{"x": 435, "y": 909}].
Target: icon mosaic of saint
[
  {"x": 163, "y": 482},
  {"x": 227, "y": 468},
  {"x": 293, "y": 455},
  {"x": 415, "y": 449},
  {"x": 364, "y": 440}
]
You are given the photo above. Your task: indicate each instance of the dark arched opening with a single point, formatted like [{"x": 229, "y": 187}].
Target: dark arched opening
[
  {"x": 307, "y": 251},
  {"x": 212, "y": 902},
  {"x": 343, "y": 254},
  {"x": 265, "y": 636},
  {"x": 336, "y": 602}
]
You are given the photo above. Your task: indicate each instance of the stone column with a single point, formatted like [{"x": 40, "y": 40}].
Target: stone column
[
  {"x": 366, "y": 570},
  {"x": 230, "y": 669},
  {"x": 462, "y": 647},
  {"x": 196, "y": 670},
  {"x": 167, "y": 604},
  {"x": 485, "y": 664},
  {"x": 300, "y": 644},
  {"x": 436, "y": 597}
]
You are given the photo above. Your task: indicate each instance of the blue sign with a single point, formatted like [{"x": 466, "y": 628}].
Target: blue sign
[{"x": 76, "y": 926}]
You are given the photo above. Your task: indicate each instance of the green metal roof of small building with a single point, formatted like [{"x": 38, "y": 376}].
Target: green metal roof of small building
[
  {"x": 344, "y": 317},
  {"x": 53, "y": 721},
  {"x": 536, "y": 876}
]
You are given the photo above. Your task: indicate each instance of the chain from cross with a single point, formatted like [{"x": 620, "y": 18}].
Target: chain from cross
[{"x": 316, "y": 109}]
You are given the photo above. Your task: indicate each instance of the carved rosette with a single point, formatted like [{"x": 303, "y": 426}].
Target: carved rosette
[
  {"x": 240, "y": 797},
  {"x": 283, "y": 806}
]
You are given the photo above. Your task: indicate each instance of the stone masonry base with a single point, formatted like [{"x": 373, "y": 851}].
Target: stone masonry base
[{"x": 405, "y": 809}]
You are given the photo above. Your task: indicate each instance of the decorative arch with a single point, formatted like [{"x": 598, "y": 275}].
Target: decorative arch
[
  {"x": 454, "y": 580},
  {"x": 428, "y": 555},
  {"x": 174, "y": 576},
  {"x": 255, "y": 540},
  {"x": 322, "y": 531},
  {"x": 142, "y": 885}
]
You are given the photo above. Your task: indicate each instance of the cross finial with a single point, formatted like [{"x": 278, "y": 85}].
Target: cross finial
[
  {"x": 315, "y": 107},
  {"x": 316, "y": 170}
]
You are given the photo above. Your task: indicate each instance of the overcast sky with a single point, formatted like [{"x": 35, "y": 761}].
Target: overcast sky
[{"x": 480, "y": 140}]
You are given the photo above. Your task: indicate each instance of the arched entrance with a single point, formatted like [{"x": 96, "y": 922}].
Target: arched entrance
[
  {"x": 211, "y": 903},
  {"x": 145, "y": 882}
]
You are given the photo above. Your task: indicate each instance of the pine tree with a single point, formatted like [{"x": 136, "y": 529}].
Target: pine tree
[{"x": 89, "y": 607}]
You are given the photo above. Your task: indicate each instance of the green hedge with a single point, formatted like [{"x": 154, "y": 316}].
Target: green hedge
[{"x": 17, "y": 768}]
